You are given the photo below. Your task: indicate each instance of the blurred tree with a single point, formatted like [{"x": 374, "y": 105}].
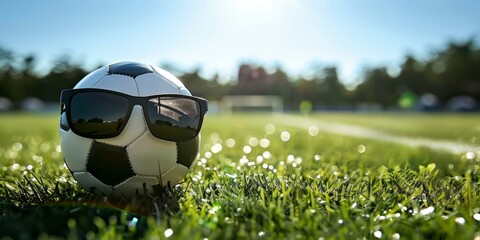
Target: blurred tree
[
  {"x": 449, "y": 72},
  {"x": 281, "y": 85},
  {"x": 207, "y": 88},
  {"x": 411, "y": 77},
  {"x": 6, "y": 72},
  {"x": 455, "y": 71},
  {"x": 306, "y": 91},
  {"x": 65, "y": 74},
  {"x": 377, "y": 87},
  {"x": 30, "y": 83},
  {"x": 329, "y": 90}
]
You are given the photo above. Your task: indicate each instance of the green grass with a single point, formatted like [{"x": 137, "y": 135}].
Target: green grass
[
  {"x": 458, "y": 127},
  {"x": 309, "y": 187}
]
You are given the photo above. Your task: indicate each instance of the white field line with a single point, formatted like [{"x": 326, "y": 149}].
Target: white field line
[{"x": 362, "y": 132}]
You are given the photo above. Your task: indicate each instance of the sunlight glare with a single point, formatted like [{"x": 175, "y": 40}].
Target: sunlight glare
[{"x": 262, "y": 4}]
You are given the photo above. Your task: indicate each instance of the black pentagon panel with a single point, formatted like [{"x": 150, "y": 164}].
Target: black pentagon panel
[
  {"x": 109, "y": 164},
  {"x": 187, "y": 151},
  {"x": 132, "y": 69}
]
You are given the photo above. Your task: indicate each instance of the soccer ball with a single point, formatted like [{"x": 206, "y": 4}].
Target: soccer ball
[{"x": 134, "y": 162}]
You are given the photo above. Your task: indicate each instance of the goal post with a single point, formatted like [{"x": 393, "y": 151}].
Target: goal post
[{"x": 252, "y": 103}]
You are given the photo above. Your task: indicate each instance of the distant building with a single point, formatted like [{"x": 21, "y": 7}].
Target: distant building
[
  {"x": 32, "y": 104},
  {"x": 462, "y": 103},
  {"x": 252, "y": 81},
  {"x": 429, "y": 102},
  {"x": 5, "y": 104}
]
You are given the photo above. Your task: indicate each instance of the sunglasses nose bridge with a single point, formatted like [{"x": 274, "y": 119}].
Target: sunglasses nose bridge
[{"x": 137, "y": 101}]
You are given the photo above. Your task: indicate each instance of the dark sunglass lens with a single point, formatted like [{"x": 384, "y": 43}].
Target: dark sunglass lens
[
  {"x": 173, "y": 118},
  {"x": 96, "y": 114}
]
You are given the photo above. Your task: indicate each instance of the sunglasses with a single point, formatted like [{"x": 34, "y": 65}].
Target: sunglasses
[{"x": 99, "y": 113}]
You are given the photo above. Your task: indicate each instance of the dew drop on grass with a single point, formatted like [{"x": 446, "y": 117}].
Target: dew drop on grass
[
  {"x": 62, "y": 179},
  {"x": 214, "y": 136},
  {"x": 476, "y": 216},
  {"x": 247, "y": 149},
  {"x": 470, "y": 155},
  {"x": 285, "y": 136},
  {"x": 228, "y": 220},
  {"x": 17, "y": 146},
  {"x": 231, "y": 175},
  {"x": 270, "y": 128},
  {"x": 313, "y": 130},
  {"x": 264, "y": 143},
  {"x": 265, "y": 166},
  {"x": 427, "y": 210},
  {"x": 12, "y": 154},
  {"x": 243, "y": 160},
  {"x": 230, "y": 142},
  {"x": 253, "y": 141},
  {"x": 361, "y": 148},
  {"x": 259, "y": 159},
  {"x": 208, "y": 154},
  {"x": 15, "y": 166},
  {"x": 261, "y": 234},
  {"x": 168, "y": 232},
  {"x": 133, "y": 222},
  {"x": 266, "y": 154},
  {"x": 290, "y": 158},
  {"x": 317, "y": 157},
  {"x": 396, "y": 236},
  {"x": 216, "y": 148},
  {"x": 460, "y": 220},
  {"x": 377, "y": 234}
]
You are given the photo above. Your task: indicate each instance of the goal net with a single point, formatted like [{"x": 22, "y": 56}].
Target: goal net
[{"x": 252, "y": 103}]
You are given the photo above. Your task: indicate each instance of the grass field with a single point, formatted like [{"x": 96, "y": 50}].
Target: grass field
[
  {"x": 434, "y": 125},
  {"x": 258, "y": 179}
]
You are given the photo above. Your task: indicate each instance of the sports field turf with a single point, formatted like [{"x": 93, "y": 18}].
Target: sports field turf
[{"x": 259, "y": 178}]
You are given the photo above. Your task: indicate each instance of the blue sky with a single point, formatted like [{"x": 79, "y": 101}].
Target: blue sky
[{"x": 218, "y": 35}]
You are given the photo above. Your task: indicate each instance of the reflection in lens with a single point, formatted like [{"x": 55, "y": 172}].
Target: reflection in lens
[
  {"x": 173, "y": 117},
  {"x": 97, "y": 114}
]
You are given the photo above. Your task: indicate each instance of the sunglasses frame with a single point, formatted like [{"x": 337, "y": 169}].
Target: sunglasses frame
[{"x": 68, "y": 94}]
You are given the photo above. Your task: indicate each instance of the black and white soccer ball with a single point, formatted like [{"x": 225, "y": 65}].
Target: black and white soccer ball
[{"x": 134, "y": 162}]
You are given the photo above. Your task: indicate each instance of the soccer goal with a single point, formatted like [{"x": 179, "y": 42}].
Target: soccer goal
[{"x": 252, "y": 103}]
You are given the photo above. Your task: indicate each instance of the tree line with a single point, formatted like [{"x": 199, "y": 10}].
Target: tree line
[{"x": 451, "y": 71}]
